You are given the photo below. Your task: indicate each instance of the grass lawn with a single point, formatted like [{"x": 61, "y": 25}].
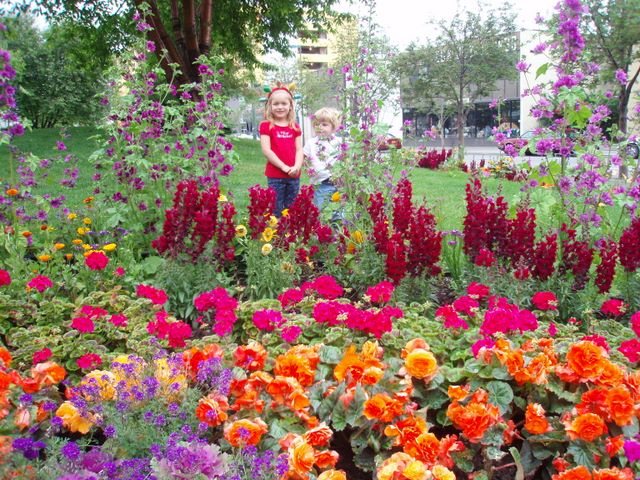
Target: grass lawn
[{"x": 443, "y": 191}]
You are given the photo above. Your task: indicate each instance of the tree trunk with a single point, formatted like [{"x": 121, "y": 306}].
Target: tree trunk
[
  {"x": 204, "y": 40},
  {"x": 190, "y": 37}
]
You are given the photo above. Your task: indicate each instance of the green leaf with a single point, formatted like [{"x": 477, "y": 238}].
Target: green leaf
[
  {"x": 500, "y": 394},
  {"x": 581, "y": 454},
  {"x": 356, "y": 407},
  {"x": 516, "y": 458},
  {"x": 330, "y": 354},
  {"x": 542, "y": 69},
  {"x": 494, "y": 453},
  {"x": 339, "y": 417}
]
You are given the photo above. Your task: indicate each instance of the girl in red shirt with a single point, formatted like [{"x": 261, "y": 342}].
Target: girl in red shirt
[{"x": 281, "y": 142}]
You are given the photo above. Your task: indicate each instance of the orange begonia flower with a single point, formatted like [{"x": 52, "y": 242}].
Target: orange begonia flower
[
  {"x": 441, "y": 472},
  {"x": 416, "y": 343},
  {"x": 535, "y": 421},
  {"x": 475, "y": 418},
  {"x": 72, "y": 419},
  {"x": 611, "y": 375},
  {"x": 400, "y": 465},
  {"x": 458, "y": 392},
  {"x": 613, "y": 474},
  {"x": 212, "y": 410},
  {"x": 292, "y": 365},
  {"x": 5, "y": 357},
  {"x": 425, "y": 447},
  {"x": 587, "y": 360},
  {"x": 407, "y": 429},
  {"x": 332, "y": 475},
  {"x": 578, "y": 473},
  {"x": 621, "y": 406},
  {"x": 245, "y": 432},
  {"x": 288, "y": 391},
  {"x": 326, "y": 459},
  {"x": 193, "y": 356},
  {"x": 318, "y": 436},
  {"x": 594, "y": 401},
  {"x": 301, "y": 457},
  {"x": 383, "y": 408},
  {"x": 588, "y": 426},
  {"x": 612, "y": 445},
  {"x": 48, "y": 373},
  {"x": 251, "y": 357},
  {"x": 449, "y": 444},
  {"x": 421, "y": 363},
  {"x": 350, "y": 367}
]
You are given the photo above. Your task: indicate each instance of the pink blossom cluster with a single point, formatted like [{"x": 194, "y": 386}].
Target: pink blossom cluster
[
  {"x": 373, "y": 321},
  {"x": 84, "y": 322},
  {"x": 503, "y": 317},
  {"x": 40, "y": 283},
  {"x": 219, "y": 304},
  {"x": 157, "y": 296},
  {"x": 381, "y": 292},
  {"x": 175, "y": 332},
  {"x": 268, "y": 320}
]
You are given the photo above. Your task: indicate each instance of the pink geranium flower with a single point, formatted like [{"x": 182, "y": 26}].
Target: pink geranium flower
[
  {"x": 96, "y": 261},
  {"x": 157, "y": 296},
  {"x": 291, "y": 333},
  {"x": 40, "y": 283},
  {"x": 89, "y": 361},
  {"x": 380, "y": 293},
  {"x": 613, "y": 307},
  {"x": 118, "y": 320},
  {"x": 631, "y": 349},
  {"x": 83, "y": 324},
  {"x": 478, "y": 291},
  {"x": 42, "y": 356},
  {"x": 267, "y": 320},
  {"x": 635, "y": 323},
  {"x": 5, "y": 278}
]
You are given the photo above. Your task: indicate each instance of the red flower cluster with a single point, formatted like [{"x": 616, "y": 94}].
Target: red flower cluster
[
  {"x": 433, "y": 158},
  {"x": 262, "y": 202},
  {"x": 402, "y": 207},
  {"x": 325, "y": 285},
  {"x": 396, "y": 263},
  {"x": 521, "y": 232},
  {"x": 89, "y": 361},
  {"x": 544, "y": 257},
  {"x": 448, "y": 315},
  {"x": 485, "y": 225},
  {"x": 503, "y": 317},
  {"x": 576, "y": 257},
  {"x": 424, "y": 245},
  {"x": 191, "y": 223},
  {"x": 176, "y": 332},
  {"x": 613, "y": 307},
  {"x": 40, "y": 283},
  {"x": 268, "y": 320},
  {"x": 373, "y": 321},
  {"x": 5, "y": 278},
  {"x": 157, "y": 296},
  {"x": 606, "y": 269},
  {"x": 545, "y": 301},
  {"x": 376, "y": 209},
  {"x": 226, "y": 233},
  {"x": 629, "y": 250},
  {"x": 380, "y": 293},
  {"x": 223, "y": 307}
]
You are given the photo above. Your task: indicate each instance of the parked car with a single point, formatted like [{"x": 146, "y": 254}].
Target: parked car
[
  {"x": 633, "y": 150},
  {"x": 389, "y": 141}
]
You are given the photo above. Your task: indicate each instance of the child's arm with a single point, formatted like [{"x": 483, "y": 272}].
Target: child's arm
[
  {"x": 295, "y": 170},
  {"x": 272, "y": 158}
]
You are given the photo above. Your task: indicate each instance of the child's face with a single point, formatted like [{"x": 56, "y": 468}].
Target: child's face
[
  {"x": 324, "y": 128},
  {"x": 280, "y": 104}
]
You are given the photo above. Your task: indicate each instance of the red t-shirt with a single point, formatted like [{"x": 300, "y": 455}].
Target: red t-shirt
[{"x": 283, "y": 144}]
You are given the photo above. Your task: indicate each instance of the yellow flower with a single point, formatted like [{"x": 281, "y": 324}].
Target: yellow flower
[
  {"x": 357, "y": 236},
  {"x": 59, "y": 246},
  {"x": 86, "y": 246},
  {"x": 77, "y": 241},
  {"x": 335, "y": 197},
  {"x": 72, "y": 216},
  {"x": 12, "y": 192},
  {"x": 241, "y": 231},
  {"x": 266, "y": 249},
  {"x": 104, "y": 380},
  {"x": 68, "y": 256},
  {"x": 82, "y": 230},
  {"x": 88, "y": 252},
  {"x": 267, "y": 234},
  {"x": 285, "y": 212},
  {"x": 109, "y": 247},
  {"x": 273, "y": 221},
  {"x": 44, "y": 258},
  {"x": 86, "y": 221},
  {"x": 440, "y": 472},
  {"x": 286, "y": 267},
  {"x": 72, "y": 419},
  {"x": 222, "y": 198}
]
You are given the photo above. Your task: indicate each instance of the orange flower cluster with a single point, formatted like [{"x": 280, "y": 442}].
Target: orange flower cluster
[
  {"x": 618, "y": 404},
  {"x": 475, "y": 417},
  {"x": 245, "y": 431},
  {"x": 531, "y": 363},
  {"x": 589, "y": 362},
  {"x": 251, "y": 357},
  {"x": 303, "y": 456},
  {"x": 364, "y": 368},
  {"x": 193, "y": 356},
  {"x": 212, "y": 409},
  {"x": 582, "y": 473},
  {"x": 412, "y": 433},
  {"x": 535, "y": 421},
  {"x": 419, "y": 362},
  {"x": 401, "y": 466}
]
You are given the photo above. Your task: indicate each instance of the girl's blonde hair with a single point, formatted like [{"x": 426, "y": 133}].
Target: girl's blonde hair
[
  {"x": 291, "y": 116},
  {"x": 327, "y": 114}
]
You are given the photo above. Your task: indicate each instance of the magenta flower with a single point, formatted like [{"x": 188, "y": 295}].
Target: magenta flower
[
  {"x": 89, "y": 361},
  {"x": 83, "y": 324},
  {"x": 267, "y": 320},
  {"x": 621, "y": 76},
  {"x": 96, "y": 261},
  {"x": 40, "y": 283},
  {"x": 5, "y": 278},
  {"x": 291, "y": 333}
]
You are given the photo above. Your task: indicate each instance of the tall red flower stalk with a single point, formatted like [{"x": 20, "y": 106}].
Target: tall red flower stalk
[
  {"x": 226, "y": 232},
  {"x": 262, "y": 203},
  {"x": 424, "y": 243},
  {"x": 544, "y": 257},
  {"x": 629, "y": 246},
  {"x": 396, "y": 264},
  {"x": 402, "y": 207},
  {"x": 485, "y": 225},
  {"x": 576, "y": 257},
  {"x": 376, "y": 210},
  {"x": 521, "y": 236},
  {"x": 606, "y": 270},
  {"x": 301, "y": 222}
]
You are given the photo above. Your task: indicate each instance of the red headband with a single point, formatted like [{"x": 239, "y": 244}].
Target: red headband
[{"x": 279, "y": 88}]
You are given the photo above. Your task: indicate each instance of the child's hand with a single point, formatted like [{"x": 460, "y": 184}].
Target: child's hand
[{"x": 293, "y": 171}]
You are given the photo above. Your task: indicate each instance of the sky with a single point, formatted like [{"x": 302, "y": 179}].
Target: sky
[{"x": 404, "y": 21}]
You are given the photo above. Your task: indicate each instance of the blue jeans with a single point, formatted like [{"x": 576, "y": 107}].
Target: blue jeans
[
  {"x": 322, "y": 192},
  {"x": 286, "y": 192}
]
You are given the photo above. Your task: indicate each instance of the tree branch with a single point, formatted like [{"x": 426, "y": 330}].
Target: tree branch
[
  {"x": 191, "y": 39},
  {"x": 206, "y": 12}
]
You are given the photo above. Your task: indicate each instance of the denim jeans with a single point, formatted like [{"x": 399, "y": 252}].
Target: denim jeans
[
  {"x": 322, "y": 192},
  {"x": 286, "y": 192}
]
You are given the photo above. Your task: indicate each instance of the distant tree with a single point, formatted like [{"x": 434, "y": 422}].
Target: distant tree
[
  {"x": 242, "y": 30},
  {"x": 469, "y": 54},
  {"x": 56, "y": 85},
  {"x": 612, "y": 38}
]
